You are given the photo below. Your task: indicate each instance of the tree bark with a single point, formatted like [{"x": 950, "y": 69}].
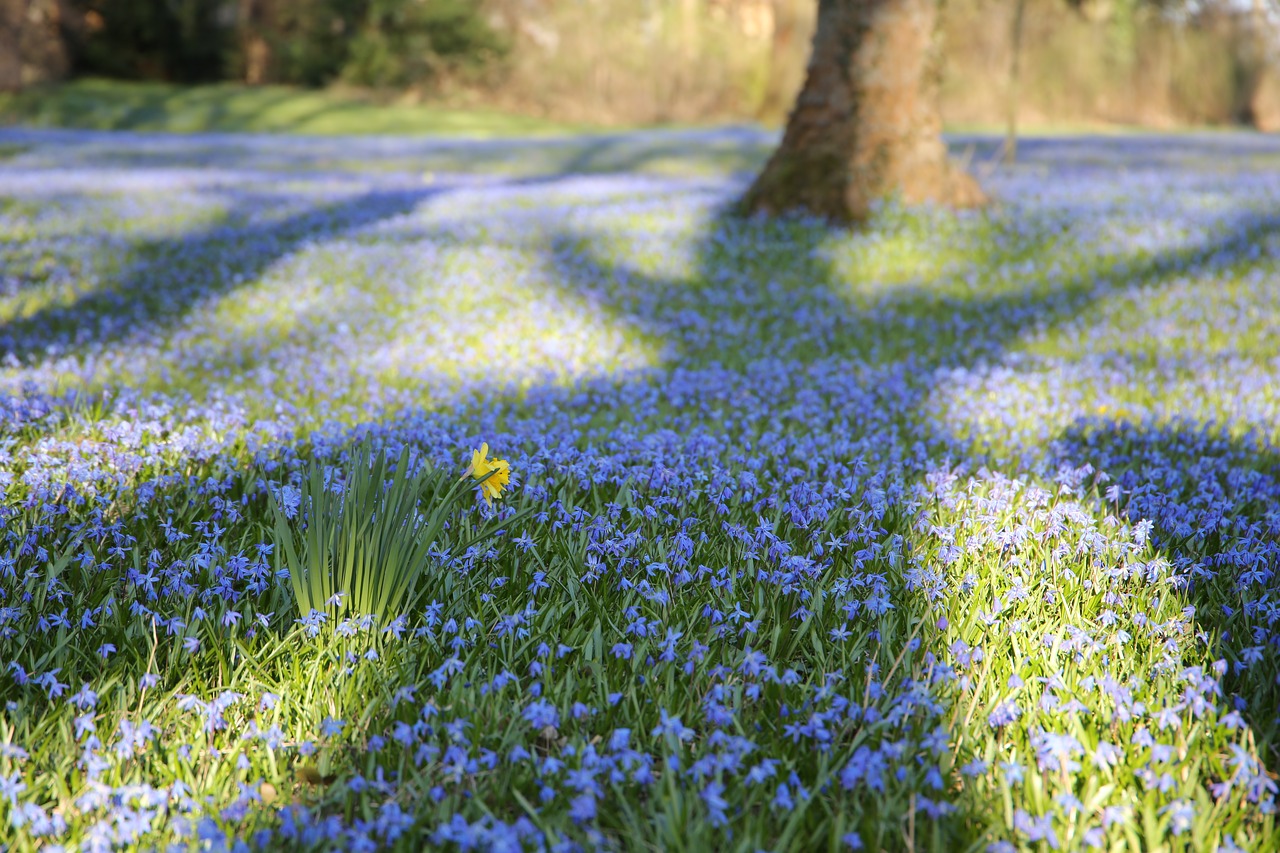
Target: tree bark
[
  {"x": 1015, "y": 80},
  {"x": 13, "y": 15},
  {"x": 867, "y": 124},
  {"x": 255, "y": 51},
  {"x": 774, "y": 101}
]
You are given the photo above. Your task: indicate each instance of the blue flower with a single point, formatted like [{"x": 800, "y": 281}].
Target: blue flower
[
  {"x": 670, "y": 726},
  {"x": 541, "y": 714},
  {"x": 713, "y": 798}
]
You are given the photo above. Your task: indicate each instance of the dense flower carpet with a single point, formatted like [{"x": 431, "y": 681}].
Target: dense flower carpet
[{"x": 955, "y": 533}]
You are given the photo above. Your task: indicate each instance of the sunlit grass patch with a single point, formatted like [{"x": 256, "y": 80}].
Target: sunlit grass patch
[{"x": 115, "y": 105}]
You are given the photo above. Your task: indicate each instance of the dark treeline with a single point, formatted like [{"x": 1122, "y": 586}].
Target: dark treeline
[{"x": 376, "y": 43}]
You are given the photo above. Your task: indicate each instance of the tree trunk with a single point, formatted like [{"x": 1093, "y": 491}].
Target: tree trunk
[
  {"x": 775, "y": 98},
  {"x": 1015, "y": 75},
  {"x": 867, "y": 124},
  {"x": 255, "y": 51},
  {"x": 13, "y": 15},
  {"x": 1258, "y": 65}
]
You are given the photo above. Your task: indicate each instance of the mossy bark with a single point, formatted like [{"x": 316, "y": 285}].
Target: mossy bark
[{"x": 866, "y": 124}]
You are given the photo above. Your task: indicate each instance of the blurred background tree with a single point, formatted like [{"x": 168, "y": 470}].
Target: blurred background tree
[
  {"x": 1159, "y": 63},
  {"x": 179, "y": 40},
  {"x": 33, "y": 42},
  {"x": 374, "y": 43}
]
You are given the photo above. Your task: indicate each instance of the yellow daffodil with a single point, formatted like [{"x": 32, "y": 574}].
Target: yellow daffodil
[{"x": 480, "y": 468}]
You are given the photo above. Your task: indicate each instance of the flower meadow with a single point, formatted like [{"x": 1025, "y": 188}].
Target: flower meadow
[{"x": 956, "y": 533}]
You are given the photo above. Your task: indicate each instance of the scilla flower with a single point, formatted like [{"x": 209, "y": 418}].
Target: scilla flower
[{"x": 494, "y": 473}]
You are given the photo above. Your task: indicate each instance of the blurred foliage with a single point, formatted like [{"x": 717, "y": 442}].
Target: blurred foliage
[
  {"x": 377, "y": 43},
  {"x": 404, "y": 42},
  {"x": 1084, "y": 63},
  {"x": 309, "y": 40},
  {"x": 180, "y": 40}
]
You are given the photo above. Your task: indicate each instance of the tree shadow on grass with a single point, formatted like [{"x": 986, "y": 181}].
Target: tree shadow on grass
[
  {"x": 739, "y": 309},
  {"x": 750, "y": 271},
  {"x": 164, "y": 279}
]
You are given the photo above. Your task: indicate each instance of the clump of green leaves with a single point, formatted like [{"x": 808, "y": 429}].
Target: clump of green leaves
[
  {"x": 359, "y": 542},
  {"x": 407, "y": 43}
]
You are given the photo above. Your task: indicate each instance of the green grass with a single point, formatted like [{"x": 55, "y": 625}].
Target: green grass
[
  {"x": 101, "y": 104},
  {"x": 115, "y": 105}
]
